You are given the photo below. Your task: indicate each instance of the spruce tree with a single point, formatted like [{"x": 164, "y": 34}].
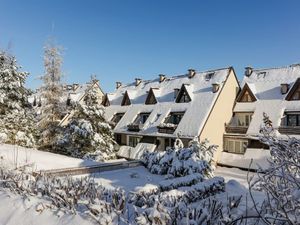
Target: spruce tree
[
  {"x": 88, "y": 135},
  {"x": 52, "y": 91},
  {"x": 16, "y": 115}
]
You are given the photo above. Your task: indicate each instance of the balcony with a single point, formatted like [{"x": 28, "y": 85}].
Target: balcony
[
  {"x": 167, "y": 128},
  {"x": 135, "y": 127},
  {"x": 229, "y": 128},
  {"x": 289, "y": 130}
]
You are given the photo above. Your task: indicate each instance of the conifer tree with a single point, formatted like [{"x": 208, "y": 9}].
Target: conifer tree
[
  {"x": 16, "y": 115},
  {"x": 51, "y": 108},
  {"x": 88, "y": 135}
]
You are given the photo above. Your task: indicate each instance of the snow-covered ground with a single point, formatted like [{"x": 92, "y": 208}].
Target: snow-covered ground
[
  {"x": 233, "y": 174},
  {"x": 127, "y": 179},
  {"x": 17, "y": 156},
  {"x": 15, "y": 209}
]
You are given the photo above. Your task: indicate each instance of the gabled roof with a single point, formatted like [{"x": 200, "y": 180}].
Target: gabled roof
[
  {"x": 151, "y": 98},
  {"x": 185, "y": 89},
  {"x": 106, "y": 101},
  {"x": 292, "y": 91},
  {"x": 265, "y": 84},
  {"x": 246, "y": 90},
  {"x": 126, "y": 99},
  {"x": 199, "y": 89}
]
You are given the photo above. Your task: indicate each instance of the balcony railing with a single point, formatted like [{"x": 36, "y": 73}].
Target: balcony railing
[
  {"x": 289, "y": 130},
  {"x": 235, "y": 129},
  {"x": 135, "y": 127},
  {"x": 167, "y": 128}
]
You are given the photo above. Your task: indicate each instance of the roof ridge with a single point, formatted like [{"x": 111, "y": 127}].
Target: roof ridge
[
  {"x": 280, "y": 67},
  {"x": 176, "y": 76}
]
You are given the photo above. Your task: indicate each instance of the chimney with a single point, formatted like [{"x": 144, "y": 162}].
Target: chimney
[
  {"x": 284, "y": 88},
  {"x": 215, "y": 87},
  {"x": 248, "y": 71},
  {"x": 75, "y": 86},
  {"x": 137, "y": 81},
  {"x": 176, "y": 91},
  {"x": 162, "y": 77},
  {"x": 191, "y": 73},
  {"x": 118, "y": 84}
]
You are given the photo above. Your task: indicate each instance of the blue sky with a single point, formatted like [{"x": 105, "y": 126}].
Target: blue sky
[{"x": 121, "y": 40}]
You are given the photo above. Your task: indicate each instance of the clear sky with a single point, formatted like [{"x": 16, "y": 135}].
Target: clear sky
[{"x": 121, "y": 40}]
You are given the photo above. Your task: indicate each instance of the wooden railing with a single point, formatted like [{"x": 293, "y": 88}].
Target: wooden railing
[
  {"x": 166, "y": 130},
  {"x": 235, "y": 129},
  {"x": 289, "y": 130},
  {"x": 134, "y": 127}
]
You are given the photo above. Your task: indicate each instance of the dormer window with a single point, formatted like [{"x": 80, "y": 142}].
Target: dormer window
[
  {"x": 106, "y": 102},
  {"x": 174, "y": 118},
  {"x": 183, "y": 95},
  {"x": 142, "y": 118},
  {"x": 294, "y": 93},
  {"x": 151, "y": 99},
  {"x": 126, "y": 100},
  {"x": 117, "y": 117},
  {"x": 246, "y": 95}
]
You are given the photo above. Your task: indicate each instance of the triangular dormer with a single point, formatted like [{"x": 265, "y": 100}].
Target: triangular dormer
[
  {"x": 106, "y": 101},
  {"x": 183, "y": 95},
  {"x": 294, "y": 93},
  {"x": 126, "y": 99},
  {"x": 246, "y": 95},
  {"x": 151, "y": 99}
]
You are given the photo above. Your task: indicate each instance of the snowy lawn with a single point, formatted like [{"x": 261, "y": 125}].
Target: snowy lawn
[
  {"x": 127, "y": 179},
  {"x": 17, "y": 210},
  {"x": 17, "y": 156},
  {"x": 233, "y": 174},
  {"x": 135, "y": 178}
]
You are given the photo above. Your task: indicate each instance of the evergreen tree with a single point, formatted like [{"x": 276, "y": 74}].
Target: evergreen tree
[
  {"x": 51, "y": 108},
  {"x": 88, "y": 135},
  {"x": 16, "y": 115}
]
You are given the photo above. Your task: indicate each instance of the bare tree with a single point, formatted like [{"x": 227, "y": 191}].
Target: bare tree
[{"x": 51, "y": 94}]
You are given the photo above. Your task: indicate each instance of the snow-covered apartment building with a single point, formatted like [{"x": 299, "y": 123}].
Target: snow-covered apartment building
[
  {"x": 274, "y": 91},
  {"x": 71, "y": 93},
  {"x": 154, "y": 112}
]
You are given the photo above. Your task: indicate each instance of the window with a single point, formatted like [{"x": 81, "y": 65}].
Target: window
[
  {"x": 133, "y": 141},
  {"x": 243, "y": 119},
  {"x": 235, "y": 145},
  {"x": 174, "y": 117},
  {"x": 141, "y": 118},
  {"x": 293, "y": 120},
  {"x": 184, "y": 98},
  {"x": 151, "y": 100},
  {"x": 246, "y": 95},
  {"x": 183, "y": 95},
  {"x": 117, "y": 117},
  {"x": 296, "y": 95},
  {"x": 126, "y": 100}
]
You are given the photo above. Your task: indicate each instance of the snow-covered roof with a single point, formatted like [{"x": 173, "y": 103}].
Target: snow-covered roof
[
  {"x": 74, "y": 92},
  {"x": 265, "y": 84},
  {"x": 199, "y": 87}
]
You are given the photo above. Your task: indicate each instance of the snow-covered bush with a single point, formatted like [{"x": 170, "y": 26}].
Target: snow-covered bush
[
  {"x": 281, "y": 180},
  {"x": 188, "y": 180},
  {"x": 68, "y": 195},
  {"x": 87, "y": 134},
  {"x": 178, "y": 162},
  {"x": 208, "y": 211},
  {"x": 17, "y": 124}
]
